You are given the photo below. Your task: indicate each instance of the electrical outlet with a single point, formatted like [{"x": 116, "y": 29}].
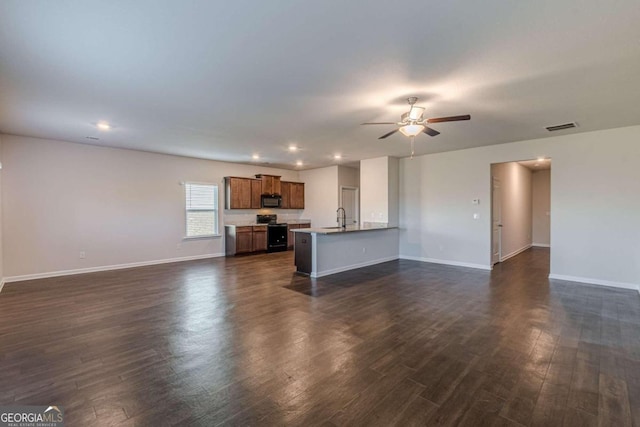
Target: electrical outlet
[
  {"x": 83, "y": 254},
  {"x": 364, "y": 250}
]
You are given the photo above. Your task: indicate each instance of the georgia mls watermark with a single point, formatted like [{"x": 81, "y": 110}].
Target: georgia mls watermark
[{"x": 31, "y": 416}]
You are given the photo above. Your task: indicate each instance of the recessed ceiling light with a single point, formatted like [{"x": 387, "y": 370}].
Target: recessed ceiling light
[
  {"x": 103, "y": 126},
  {"x": 293, "y": 147},
  {"x": 337, "y": 156},
  {"x": 255, "y": 157},
  {"x": 299, "y": 163},
  {"x": 541, "y": 159}
]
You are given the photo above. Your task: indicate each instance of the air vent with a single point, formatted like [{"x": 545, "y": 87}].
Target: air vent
[
  {"x": 562, "y": 127},
  {"x": 94, "y": 138}
]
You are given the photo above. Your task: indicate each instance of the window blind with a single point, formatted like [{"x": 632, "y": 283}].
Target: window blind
[{"x": 202, "y": 209}]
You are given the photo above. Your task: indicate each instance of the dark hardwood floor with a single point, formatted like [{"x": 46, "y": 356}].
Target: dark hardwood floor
[{"x": 244, "y": 341}]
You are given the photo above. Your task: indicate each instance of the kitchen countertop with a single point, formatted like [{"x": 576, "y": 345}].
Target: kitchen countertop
[
  {"x": 286, "y": 221},
  {"x": 340, "y": 230}
]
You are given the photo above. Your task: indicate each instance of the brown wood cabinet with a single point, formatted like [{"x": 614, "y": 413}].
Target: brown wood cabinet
[
  {"x": 292, "y": 195},
  {"x": 238, "y": 193},
  {"x": 245, "y": 193},
  {"x": 244, "y": 240},
  {"x": 285, "y": 187},
  {"x": 296, "y": 200},
  {"x": 291, "y": 236},
  {"x": 270, "y": 184},
  {"x": 256, "y": 193},
  {"x": 259, "y": 238}
]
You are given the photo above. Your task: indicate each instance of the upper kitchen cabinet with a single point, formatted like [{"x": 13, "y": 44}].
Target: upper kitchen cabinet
[
  {"x": 246, "y": 193},
  {"x": 270, "y": 184},
  {"x": 285, "y": 187},
  {"x": 296, "y": 197},
  {"x": 256, "y": 193},
  {"x": 292, "y": 195},
  {"x": 238, "y": 194}
]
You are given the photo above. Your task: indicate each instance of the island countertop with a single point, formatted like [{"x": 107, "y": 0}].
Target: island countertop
[
  {"x": 323, "y": 251},
  {"x": 340, "y": 230}
]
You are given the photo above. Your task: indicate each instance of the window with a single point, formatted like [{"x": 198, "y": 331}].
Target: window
[{"x": 202, "y": 209}]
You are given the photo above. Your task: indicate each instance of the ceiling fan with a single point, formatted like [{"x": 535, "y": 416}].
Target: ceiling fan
[{"x": 412, "y": 123}]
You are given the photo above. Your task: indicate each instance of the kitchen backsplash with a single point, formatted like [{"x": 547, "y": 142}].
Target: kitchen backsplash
[{"x": 239, "y": 217}]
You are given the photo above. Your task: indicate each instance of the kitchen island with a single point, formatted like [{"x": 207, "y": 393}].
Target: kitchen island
[{"x": 323, "y": 251}]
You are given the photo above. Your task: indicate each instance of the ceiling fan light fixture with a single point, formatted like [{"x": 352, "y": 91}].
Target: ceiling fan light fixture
[
  {"x": 411, "y": 130},
  {"x": 416, "y": 112}
]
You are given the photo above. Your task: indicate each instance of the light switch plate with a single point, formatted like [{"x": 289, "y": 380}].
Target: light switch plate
[{"x": 476, "y": 201}]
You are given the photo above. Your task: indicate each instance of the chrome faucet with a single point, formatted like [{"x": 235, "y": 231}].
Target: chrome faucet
[{"x": 344, "y": 217}]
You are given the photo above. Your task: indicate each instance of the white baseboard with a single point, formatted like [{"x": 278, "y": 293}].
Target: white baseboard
[
  {"x": 352, "y": 267},
  {"x": 104, "y": 268},
  {"x": 514, "y": 253},
  {"x": 541, "y": 245},
  {"x": 598, "y": 282},
  {"x": 447, "y": 262}
]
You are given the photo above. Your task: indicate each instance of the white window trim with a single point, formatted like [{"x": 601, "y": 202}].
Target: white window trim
[
  {"x": 204, "y": 236},
  {"x": 184, "y": 198}
]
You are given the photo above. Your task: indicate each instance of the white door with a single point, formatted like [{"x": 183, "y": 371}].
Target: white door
[
  {"x": 496, "y": 222},
  {"x": 349, "y": 201}
]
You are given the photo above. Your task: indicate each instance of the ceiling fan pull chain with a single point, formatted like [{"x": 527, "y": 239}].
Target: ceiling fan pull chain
[{"x": 412, "y": 147}]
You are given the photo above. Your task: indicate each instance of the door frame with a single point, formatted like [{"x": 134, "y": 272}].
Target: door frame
[
  {"x": 493, "y": 179},
  {"x": 357, "y": 194}
]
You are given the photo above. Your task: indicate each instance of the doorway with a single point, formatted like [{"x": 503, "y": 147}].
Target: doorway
[
  {"x": 496, "y": 221},
  {"x": 350, "y": 201},
  {"x": 520, "y": 207}
]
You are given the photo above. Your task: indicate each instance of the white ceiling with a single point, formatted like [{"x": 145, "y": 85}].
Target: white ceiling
[{"x": 224, "y": 80}]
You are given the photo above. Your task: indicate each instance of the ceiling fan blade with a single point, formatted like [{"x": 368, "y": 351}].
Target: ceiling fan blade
[
  {"x": 379, "y": 123},
  {"x": 430, "y": 132},
  {"x": 388, "y": 134},
  {"x": 449, "y": 119}
]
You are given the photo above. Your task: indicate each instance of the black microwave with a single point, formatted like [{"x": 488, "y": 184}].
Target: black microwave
[{"x": 271, "y": 200}]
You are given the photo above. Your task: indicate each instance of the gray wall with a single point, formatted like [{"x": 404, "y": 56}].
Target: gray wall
[
  {"x": 541, "y": 208},
  {"x": 119, "y": 206},
  {"x": 592, "y": 212}
]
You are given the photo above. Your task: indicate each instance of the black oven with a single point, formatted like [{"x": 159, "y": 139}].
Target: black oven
[
  {"x": 276, "y": 237},
  {"x": 277, "y": 233},
  {"x": 271, "y": 200}
]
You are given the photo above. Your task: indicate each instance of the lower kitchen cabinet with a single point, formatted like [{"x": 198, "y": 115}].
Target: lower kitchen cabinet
[
  {"x": 245, "y": 239},
  {"x": 259, "y": 238}
]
